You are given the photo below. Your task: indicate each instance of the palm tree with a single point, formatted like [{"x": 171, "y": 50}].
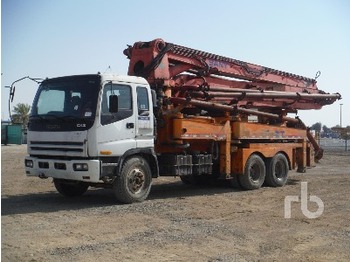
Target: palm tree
[{"x": 21, "y": 114}]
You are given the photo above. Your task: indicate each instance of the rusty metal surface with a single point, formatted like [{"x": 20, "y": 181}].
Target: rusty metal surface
[
  {"x": 221, "y": 79},
  {"x": 189, "y": 79},
  {"x": 241, "y": 69}
]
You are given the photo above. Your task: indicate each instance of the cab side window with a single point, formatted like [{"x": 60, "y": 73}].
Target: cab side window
[
  {"x": 124, "y": 103},
  {"x": 142, "y": 100}
]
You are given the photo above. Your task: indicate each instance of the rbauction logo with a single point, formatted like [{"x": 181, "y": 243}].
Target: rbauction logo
[{"x": 304, "y": 202}]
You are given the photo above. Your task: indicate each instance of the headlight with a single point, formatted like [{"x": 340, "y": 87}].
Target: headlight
[
  {"x": 80, "y": 167},
  {"x": 28, "y": 163}
]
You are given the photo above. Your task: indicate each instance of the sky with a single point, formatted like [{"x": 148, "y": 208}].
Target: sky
[{"x": 48, "y": 38}]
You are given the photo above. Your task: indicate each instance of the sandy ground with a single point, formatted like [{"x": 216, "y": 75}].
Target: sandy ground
[{"x": 178, "y": 222}]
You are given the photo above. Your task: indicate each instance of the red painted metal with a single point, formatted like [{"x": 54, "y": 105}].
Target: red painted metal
[{"x": 188, "y": 73}]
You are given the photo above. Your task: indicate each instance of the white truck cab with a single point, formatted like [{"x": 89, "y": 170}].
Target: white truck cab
[{"x": 86, "y": 130}]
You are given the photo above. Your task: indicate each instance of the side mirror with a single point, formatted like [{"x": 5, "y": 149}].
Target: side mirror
[{"x": 113, "y": 104}]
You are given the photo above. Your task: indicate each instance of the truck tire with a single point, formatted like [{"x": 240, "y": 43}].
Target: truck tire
[
  {"x": 133, "y": 184},
  {"x": 277, "y": 171},
  {"x": 254, "y": 173},
  {"x": 70, "y": 188}
]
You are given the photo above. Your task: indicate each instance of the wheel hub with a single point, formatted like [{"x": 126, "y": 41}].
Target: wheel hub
[
  {"x": 136, "y": 180},
  {"x": 279, "y": 170},
  {"x": 255, "y": 172}
]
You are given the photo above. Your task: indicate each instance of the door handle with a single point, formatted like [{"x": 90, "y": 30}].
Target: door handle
[{"x": 130, "y": 125}]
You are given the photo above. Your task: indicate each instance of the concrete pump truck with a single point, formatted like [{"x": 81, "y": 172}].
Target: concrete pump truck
[{"x": 179, "y": 112}]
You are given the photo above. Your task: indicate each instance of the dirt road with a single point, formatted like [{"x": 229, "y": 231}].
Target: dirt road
[{"x": 178, "y": 222}]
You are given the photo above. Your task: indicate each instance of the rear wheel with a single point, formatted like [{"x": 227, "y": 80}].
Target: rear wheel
[
  {"x": 277, "y": 171},
  {"x": 133, "y": 184},
  {"x": 70, "y": 188},
  {"x": 254, "y": 173}
]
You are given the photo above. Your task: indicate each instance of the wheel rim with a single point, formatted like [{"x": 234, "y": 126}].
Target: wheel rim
[
  {"x": 255, "y": 172},
  {"x": 136, "y": 180},
  {"x": 280, "y": 170}
]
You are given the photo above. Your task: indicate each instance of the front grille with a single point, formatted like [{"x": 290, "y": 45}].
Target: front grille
[
  {"x": 56, "y": 148},
  {"x": 56, "y": 143}
]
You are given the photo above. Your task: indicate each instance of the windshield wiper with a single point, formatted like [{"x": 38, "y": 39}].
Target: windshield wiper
[
  {"x": 36, "y": 117},
  {"x": 63, "y": 118},
  {"x": 45, "y": 117},
  {"x": 70, "y": 117}
]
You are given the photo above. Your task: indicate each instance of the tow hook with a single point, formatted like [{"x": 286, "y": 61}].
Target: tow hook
[{"x": 43, "y": 176}]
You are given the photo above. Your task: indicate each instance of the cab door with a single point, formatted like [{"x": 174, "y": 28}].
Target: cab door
[{"x": 116, "y": 132}]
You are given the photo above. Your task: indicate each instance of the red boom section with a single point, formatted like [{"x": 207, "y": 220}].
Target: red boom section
[{"x": 180, "y": 72}]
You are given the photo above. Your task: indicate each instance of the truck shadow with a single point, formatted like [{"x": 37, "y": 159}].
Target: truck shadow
[
  {"x": 51, "y": 201},
  {"x": 179, "y": 190}
]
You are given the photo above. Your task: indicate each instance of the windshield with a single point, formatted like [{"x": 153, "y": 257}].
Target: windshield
[{"x": 67, "y": 99}]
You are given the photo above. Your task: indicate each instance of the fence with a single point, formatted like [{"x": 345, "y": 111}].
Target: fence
[
  {"x": 12, "y": 134},
  {"x": 334, "y": 144}
]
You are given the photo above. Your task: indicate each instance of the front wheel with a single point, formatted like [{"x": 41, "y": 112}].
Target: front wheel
[
  {"x": 254, "y": 173},
  {"x": 133, "y": 184},
  {"x": 70, "y": 188}
]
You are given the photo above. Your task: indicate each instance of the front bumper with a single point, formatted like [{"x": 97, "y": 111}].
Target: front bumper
[{"x": 63, "y": 169}]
